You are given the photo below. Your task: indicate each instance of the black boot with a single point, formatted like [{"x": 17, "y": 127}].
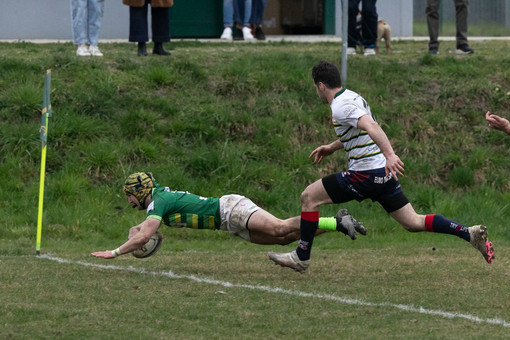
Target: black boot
[
  {"x": 142, "y": 49},
  {"x": 158, "y": 49}
]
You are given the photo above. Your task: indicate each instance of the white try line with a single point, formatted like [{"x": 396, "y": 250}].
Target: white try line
[{"x": 172, "y": 275}]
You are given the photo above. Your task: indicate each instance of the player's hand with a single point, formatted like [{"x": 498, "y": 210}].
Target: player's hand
[
  {"x": 394, "y": 166},
  {"x": 497, "y": 122},
  {"x": 103, "y": 254},
  {"x": 321, "y": 152}
]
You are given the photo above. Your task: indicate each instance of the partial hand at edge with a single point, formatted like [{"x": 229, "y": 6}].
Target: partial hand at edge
[{"x": 394, "y": 166}]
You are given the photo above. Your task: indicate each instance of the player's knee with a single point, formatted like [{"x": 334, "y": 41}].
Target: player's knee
[{"x": 307, "y": 203}]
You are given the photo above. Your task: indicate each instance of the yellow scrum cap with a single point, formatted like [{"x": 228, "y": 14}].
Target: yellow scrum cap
[{"x": 140, "y": 185}]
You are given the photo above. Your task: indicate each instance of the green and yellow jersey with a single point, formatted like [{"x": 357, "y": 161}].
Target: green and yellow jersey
[{"x": 182, "y": 209}]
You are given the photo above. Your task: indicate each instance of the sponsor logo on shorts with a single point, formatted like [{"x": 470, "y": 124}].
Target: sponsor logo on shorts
[{"x": 382, "y": 180}]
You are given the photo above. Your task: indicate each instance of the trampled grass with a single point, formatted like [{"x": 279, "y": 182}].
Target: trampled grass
[{"x": 219, "y": 118}]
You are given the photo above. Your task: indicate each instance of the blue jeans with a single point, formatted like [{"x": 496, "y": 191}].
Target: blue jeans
[
  {"x": 237, "y": 11},
  {"x": 368, "y": 23},
  {"x": 86, "y": 16},
  {"x": 257, "y": 11}
]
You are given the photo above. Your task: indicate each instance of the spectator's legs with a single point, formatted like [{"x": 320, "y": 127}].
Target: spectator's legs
[
  {"x": 432, "y": 11},
  {"x": 94, "y": 18},
  {"x": 228, "y": 13},
  {"x": 247, "y": 12},
  {"x": 138, "y": 24},
  {"x": 461, "y": 17},
  {"x": 160, "y": 24},
  {"x": 79, "y": 21},
  {"x": 242, "y": 11},
  {"x": 239, "y": 12},
  {"x": 369, "y": 23},
  {"x": 257, "y": 12},
  {"x": 353, "y": 36}
]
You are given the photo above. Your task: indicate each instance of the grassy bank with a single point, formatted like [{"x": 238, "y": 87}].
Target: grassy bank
[{"x": 223, "y": 118}]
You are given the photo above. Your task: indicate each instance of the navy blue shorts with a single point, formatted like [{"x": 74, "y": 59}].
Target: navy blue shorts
[{"x": 360, "y": 185}]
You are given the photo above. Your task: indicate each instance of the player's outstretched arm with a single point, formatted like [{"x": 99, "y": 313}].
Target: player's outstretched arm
[
  {"x": 325, "y": 150},
  {"x": 147, "y": 229}
]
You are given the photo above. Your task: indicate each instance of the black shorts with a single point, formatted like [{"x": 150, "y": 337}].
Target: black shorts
[{"x": 359, "y": 185}]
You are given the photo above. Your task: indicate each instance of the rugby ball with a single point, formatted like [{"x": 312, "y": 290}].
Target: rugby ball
[{"x": 150, "y": 247}]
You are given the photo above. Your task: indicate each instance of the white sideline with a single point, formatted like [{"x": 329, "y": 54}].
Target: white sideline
[{"x": 170, "y": 274}]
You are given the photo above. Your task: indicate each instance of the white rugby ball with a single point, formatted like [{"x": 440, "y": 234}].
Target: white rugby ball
[{"x": 150, "y": 247}]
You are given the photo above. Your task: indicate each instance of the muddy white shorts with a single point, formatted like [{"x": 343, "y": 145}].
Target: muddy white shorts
[{"x": 235, "y": 210}]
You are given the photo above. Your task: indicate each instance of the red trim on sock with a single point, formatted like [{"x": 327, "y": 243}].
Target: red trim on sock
[
  {"x": 428, "y": 222},
  {"x": 311, "y": 216}
]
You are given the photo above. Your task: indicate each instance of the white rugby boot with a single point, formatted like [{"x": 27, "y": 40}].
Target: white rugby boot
[{"x": 290, "y": 260}]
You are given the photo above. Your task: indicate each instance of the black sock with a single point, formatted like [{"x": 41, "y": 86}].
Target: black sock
[{"x": 309, "y": 225}]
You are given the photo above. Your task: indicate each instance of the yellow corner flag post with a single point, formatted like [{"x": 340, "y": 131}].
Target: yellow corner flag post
[{"x": 45, "y": 114}]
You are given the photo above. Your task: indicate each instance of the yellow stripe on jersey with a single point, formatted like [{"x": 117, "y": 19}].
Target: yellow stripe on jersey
[
  {"x": 177, "y": 218},
  {"x": 360, "y": 146},
  {"x": 365, "y": 156},
  {"x": 340, "y": 135},
  {"x": 353, "y": 137}
]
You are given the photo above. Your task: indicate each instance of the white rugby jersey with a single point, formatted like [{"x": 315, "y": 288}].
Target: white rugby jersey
[{"x": 362, "y": 152}]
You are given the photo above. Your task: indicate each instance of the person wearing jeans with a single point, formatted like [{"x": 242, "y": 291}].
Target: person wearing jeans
[
  {"x": 86, "y": 17},
  {"x": 368, "y": 26},
  {"x": 236, "y": 16},
  {"x": 257, "y": 14}
]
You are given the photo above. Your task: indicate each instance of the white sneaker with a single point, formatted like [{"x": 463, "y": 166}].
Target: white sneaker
[
  {"x": 247, "y": 33},
  {"x": 227, "y": 34},
  {"x": 83, "y": 51},
  {"x": 351, "y": 51},
  {"x": 94, "y": 50},
  {"x": 290, "y": 260},
  {"x": 369, "y": 51}
]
